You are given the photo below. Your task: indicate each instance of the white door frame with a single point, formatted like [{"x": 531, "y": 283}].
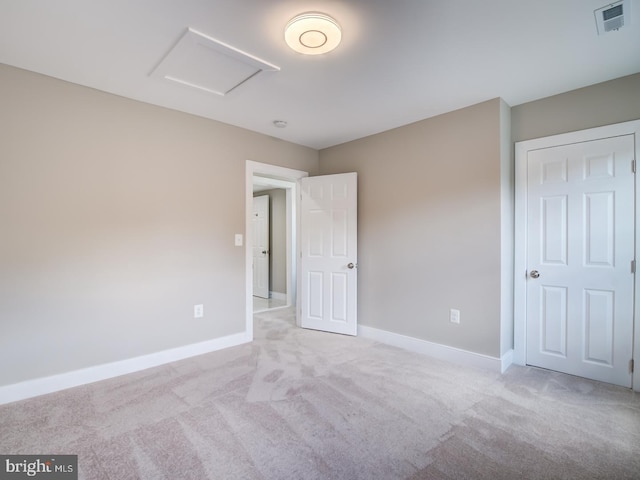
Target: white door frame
[
  {"x": 280, "y": 177},
  {"x": 520, "y": 261}
]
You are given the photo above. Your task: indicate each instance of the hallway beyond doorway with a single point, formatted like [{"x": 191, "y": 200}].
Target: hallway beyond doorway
[{"x": 264, "y": 304}]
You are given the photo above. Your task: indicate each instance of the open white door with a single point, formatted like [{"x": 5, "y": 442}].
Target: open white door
[
  {"x": 261, "y": 246},
  {"x": 328, "y": 257}
]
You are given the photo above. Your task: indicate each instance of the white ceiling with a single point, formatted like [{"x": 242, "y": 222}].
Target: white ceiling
[{"x": 399, "y": 61}]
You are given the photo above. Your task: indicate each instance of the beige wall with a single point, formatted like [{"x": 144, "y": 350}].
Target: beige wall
[
  {"x": 436, "y": 212},
  {"x": 429, "y": 226},
  {"x": 605, "y": 103},
  {"x": 117, "y": 217},
  {"x": 278, "y": 240}
]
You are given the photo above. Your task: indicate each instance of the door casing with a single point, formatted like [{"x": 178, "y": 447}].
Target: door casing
[{"x": 520, "y": 260}]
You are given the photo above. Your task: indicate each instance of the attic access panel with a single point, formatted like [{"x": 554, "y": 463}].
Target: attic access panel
[{"x": 207, "y": 64}]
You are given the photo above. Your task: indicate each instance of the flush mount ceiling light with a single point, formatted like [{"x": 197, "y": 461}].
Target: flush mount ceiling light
[{"x": 312, "y": 33}]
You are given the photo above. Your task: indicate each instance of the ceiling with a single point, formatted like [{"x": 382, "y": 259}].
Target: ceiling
[{"x": 399, "y": 61}]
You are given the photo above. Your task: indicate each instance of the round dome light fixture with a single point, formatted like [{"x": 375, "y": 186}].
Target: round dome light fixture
[{"x": 312, "y": 33}]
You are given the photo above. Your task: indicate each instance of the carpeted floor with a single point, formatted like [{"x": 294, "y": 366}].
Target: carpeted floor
[{"x": 300, "y": 404}]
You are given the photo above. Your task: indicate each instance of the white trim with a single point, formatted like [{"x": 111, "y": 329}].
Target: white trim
[
  {"x": 437, "y": 350},
  {"x": 284, "y": 178},
  {"x": 277, "y": 295},
  {"x": 520, "y": 265},
  {"x": 507, "y": 244},
  {"x": 520, "y": 258},
  {"x": 506, "y": 361},
  {"x": 271, "y": 309},
  {"x": 55, "y": 383},
  {"x": 271, "y": 182}
]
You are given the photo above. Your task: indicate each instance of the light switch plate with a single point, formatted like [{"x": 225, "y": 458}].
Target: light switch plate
[{"x": 238, "y": 240}]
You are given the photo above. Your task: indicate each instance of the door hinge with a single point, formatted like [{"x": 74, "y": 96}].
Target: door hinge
[
  {"x": 633, "y": 166},
  {"x": 631, "y": 365},
  {"x": 633, "y": 266}
]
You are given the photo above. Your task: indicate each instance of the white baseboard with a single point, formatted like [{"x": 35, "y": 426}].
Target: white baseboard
[
  {"x": 54, "y": 383},
  {"x": 506, "y": 361},
  {"x": 278, "y": 296},
  {"x": 437, "y": 350}
]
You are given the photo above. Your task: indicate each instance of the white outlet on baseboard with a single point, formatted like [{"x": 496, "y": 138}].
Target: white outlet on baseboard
[
  {"x": 454, "y": 315},
  {"x": 198, "y": 311}
]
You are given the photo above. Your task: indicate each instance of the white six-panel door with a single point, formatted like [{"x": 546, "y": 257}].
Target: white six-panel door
[
  {"x": 261, "y": 246},
  {"x": 328, "y": 256},
  {"x": 580, "y": 234}
]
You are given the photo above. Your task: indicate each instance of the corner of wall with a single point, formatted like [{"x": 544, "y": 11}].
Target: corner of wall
[{"x": 507, "y": 199}]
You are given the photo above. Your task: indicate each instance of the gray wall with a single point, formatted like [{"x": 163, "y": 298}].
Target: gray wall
[
  {"x": 278, "y": 240},
  {"x": 117, "y": 217},
  {"x": 429, "y": 226},
  {"x": 605, "y": 103},
  {"x": 436, "y": 212}
]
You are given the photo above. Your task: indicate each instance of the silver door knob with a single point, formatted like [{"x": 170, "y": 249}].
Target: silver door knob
[
  {"x": 534, "y": 273},
  {"x": 351, "y": 266}
]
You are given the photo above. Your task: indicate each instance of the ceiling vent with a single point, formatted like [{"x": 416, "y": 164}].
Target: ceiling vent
[
  {"x": 612, "y": 17},
  {"x": 201, "y": 62}
]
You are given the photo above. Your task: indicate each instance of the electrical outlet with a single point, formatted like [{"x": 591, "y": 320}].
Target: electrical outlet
[
  {"x": 454, "y": 315},
  {"x": 198, "y": 311}
]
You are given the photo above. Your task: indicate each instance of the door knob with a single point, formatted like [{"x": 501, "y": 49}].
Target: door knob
[
  {"x": 264, "y": 252},
  {"x": 351, "y": 266},
  {"x": 534, "y": 274}
]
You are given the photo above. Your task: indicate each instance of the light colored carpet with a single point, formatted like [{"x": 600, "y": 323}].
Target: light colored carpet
[{"x": 300, "y": 404}]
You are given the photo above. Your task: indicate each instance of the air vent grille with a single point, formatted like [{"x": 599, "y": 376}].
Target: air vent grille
[{"x": 612, "y": 17}]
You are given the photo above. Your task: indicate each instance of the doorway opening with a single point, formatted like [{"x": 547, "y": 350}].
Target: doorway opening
[
  {"x": 269, "y": 245},
  {"x": 261, "y": 177}
]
